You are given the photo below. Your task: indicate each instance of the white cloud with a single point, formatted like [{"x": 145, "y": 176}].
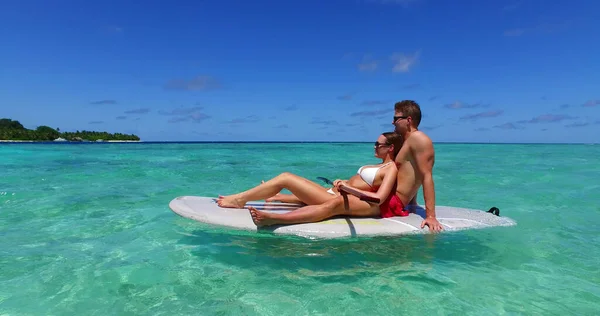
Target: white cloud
[
  {"x": 368, "y": 66},
  {"x": 403, "y": 63}
]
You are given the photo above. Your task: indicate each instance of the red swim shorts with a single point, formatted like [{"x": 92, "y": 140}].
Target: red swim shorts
[{"x": 393, "y": 206}]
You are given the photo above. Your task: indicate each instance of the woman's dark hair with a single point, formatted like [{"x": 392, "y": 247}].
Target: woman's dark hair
[{"x": 395, "y": 139}]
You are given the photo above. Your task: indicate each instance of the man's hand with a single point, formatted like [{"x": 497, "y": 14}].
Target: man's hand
[{"x": 433, "y": 224}]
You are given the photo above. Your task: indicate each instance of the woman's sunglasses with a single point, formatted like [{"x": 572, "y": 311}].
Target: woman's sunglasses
[{"x": 378, "y": 144}]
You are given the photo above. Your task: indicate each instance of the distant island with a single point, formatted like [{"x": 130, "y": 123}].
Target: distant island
[{"x": 11, "y": 130}]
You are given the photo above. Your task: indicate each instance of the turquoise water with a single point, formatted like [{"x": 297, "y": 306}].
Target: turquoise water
[{"x": 86, "y": 229}]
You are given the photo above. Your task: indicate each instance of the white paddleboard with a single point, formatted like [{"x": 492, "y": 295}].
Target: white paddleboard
[{"x": 206, "y": 210}]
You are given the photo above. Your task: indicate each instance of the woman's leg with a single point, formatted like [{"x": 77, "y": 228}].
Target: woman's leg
[
  {"x": 285, "y": 198},
  {"x": 316, "y": 213},
  {"x": 305, "y": 190},
  {"x": 281, "y": 197}
]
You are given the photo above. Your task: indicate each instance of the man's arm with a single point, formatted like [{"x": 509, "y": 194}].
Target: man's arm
[{"x": 425, "y": 156}]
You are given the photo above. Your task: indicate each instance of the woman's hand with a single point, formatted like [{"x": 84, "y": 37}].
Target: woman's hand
[{"x": 337, "y": 183}]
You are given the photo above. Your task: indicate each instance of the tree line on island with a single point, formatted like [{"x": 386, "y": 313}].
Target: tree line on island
[{"x": 13, "y": 130}]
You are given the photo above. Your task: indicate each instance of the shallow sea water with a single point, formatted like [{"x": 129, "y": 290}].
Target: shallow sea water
[{"x": 86, "y": 229}]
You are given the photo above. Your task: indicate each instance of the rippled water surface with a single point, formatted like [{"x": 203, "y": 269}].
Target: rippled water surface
[{"x": 86, "y": 229}]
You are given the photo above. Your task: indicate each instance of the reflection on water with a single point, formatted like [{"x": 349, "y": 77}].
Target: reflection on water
[{"x": 337, "y": 256}]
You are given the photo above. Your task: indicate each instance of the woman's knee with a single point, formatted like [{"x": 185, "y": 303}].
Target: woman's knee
[{"x": 287, "y": 176}]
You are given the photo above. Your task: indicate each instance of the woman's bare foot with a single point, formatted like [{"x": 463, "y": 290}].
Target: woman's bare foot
[
  {"x": 261, "y": 218},
  {"x": 231, "y": 201}
]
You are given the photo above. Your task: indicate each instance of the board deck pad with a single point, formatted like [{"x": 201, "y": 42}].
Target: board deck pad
[{"x": 206, "y": 210}]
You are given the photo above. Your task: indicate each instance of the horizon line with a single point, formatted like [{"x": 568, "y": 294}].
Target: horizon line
[{"x": 280, "y": 142}]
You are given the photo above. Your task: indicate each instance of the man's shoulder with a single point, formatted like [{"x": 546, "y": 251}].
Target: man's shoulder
[{"x": 419, "y": 139}]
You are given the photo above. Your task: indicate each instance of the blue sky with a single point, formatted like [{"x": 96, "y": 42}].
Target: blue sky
[{"x": 483, "y": 71}]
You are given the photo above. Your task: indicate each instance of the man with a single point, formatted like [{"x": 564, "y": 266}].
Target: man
[{"x": 415, "y": 161}]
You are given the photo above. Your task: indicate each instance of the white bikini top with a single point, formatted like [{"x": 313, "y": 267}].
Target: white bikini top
[{"x": 368, "y": 173}]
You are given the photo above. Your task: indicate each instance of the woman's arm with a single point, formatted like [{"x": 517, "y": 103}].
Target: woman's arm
[
  {"x": 358, "y": 193},
  {"x": 387, "y": 184}
]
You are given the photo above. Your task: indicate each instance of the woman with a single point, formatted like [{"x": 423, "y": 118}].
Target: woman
[{"x": 376, "y": 181}]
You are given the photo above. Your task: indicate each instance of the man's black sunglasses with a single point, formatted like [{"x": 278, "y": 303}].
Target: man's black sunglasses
[{"x": 396, "y": 118}]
